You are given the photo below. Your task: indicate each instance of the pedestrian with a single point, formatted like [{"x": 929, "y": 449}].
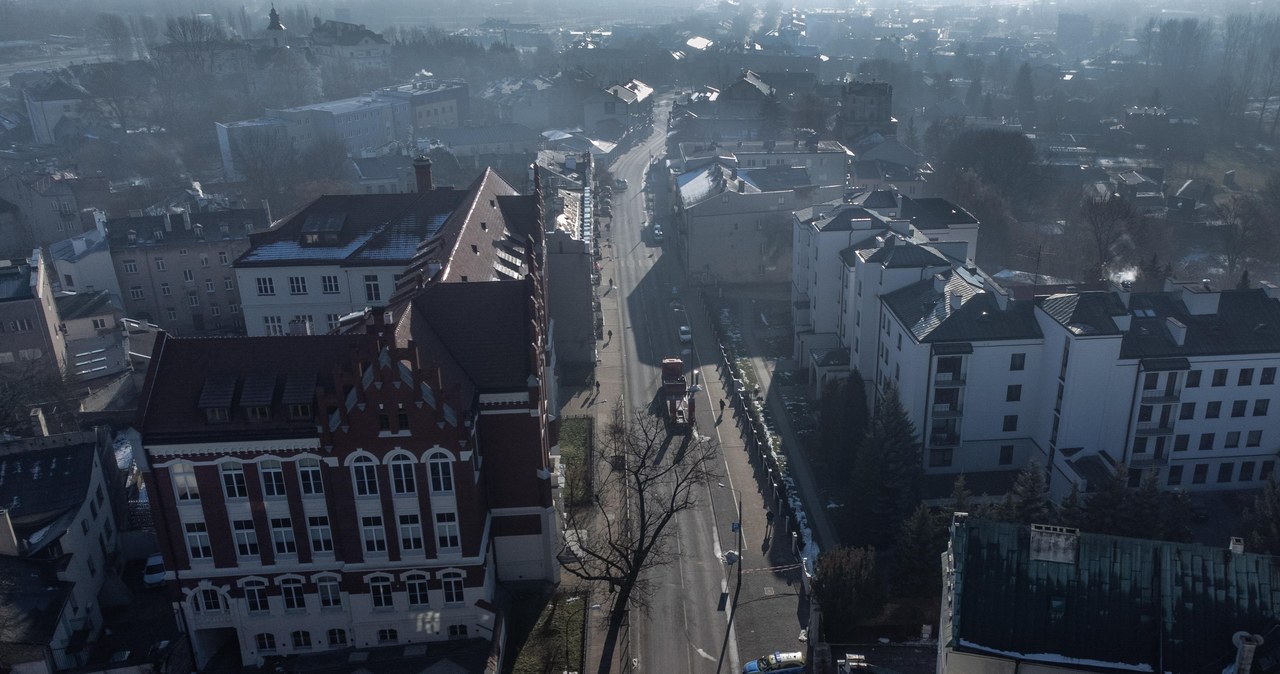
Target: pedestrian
[
  {"x": 610, "y": 281},
  {"x": 610, "y": 333},
  {"x": 722, "y": 405},
  {"x": 597, "y": 387}
]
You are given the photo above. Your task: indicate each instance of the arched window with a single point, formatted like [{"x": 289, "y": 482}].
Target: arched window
[
  {"x": 209, "y": 600},
  {"x": 416, "y": 584},
  {"x": 301, "y": 639},
  {"x": 184, "y": 481},
  {"x": 402, "y": 478},
  {"x": 453, "y": 593},
  {"x": 337, "y": 637},
  {"x": 265, "y": 641},
  {"x": 441, "y": 473},
  {"x": 365, "y": 474}
]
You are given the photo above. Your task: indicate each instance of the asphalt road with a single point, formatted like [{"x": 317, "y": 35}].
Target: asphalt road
[{"x": 683, "y": 628}]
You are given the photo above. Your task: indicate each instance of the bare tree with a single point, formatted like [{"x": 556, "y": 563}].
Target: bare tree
[
  {"x": 1243, "y": 230},
  {"x": 1110, "y": 227},
  {"x": 625, "y": 534},
  {"x": 115, "y": 31},
  {"x": 197, "y": 40}
]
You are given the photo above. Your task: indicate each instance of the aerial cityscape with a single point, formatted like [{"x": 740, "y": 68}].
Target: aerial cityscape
[{"x": 389, "y": 336}]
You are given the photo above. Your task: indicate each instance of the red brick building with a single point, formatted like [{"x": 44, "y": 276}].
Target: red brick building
[{"x": 371, "y": 487}]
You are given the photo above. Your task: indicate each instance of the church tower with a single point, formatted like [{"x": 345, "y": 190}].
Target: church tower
[{"x": 275, "y": 36}]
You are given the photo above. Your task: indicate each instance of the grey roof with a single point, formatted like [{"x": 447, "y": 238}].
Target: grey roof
[
  {"x": 382, "y": 168},
  {"x": 66, "y": 250},
  {"x": 776, "y": 178},
  {"x": 31, "y": 603},
  {"x": 898, "y": 253},
  {"x": 1247, "y": 321},
  {"x": 934, "y": 213},
  {"x": 58, "y": 90},
  {"x": 877, "y": 199},
  {"x": 1084, "y": 313},
  {"x": 843, "y": 220},
  {"x": 15, "y": 281},
  {"x": 42, "y": 478},
  {"x": 83, "y": 305},
  {"x": 931, "y": 318},
  {"x": 211, "y": 223}
]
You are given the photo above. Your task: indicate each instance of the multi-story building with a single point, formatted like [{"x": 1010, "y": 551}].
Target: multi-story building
[
  {"x": 83, "y": 263},
  {"x": 866, "y": 108},
  {"x": 174, "y": 269},
  {"x": 733, "y": 224},
  {"x": 58, "y": 545},
  {"x": 826, "y": 161},
  {"x": 341, "y": 254},
  {"x": 48, "y": 205},
  {"x": 616, "y": 109},
  {"x": 432, "y": 103},
  {"x": 1014, "y": 599},
  {"x": 565, "y": 183},
  {"x": 338, "y": 43},
  {"x": 96, "y": 341},
  {"x": 29, "y": 336},
  {"x": 55, "y": 109},
  {"x": 369, "y": 488},
  {"x": 1078, "y": 380}
]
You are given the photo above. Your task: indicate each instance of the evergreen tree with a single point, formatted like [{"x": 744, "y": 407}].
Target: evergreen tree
[
  {"x": 830, "y": 420},
  {"x": 1028, "y": 500},
  {"x": 855, "y": 406},
  {"x": 1244, "y": 283},
  {"x": 848, "y": 589},
  {"x": 1144, "y": 508},
  {"x": 1071, "y": 512},
  {"x": 960, "y": 496},
  {"x": 1024, "y": 95},
  {"x": 886, "y": 476},
  {"x": 918, "y": 569},
  {"x": 973, "y": 97},
  {"x": 1106, "y": 510},
  {"x": 1262, "y": 521},
  {"x": 1176, "y": 515},
  {"x": 911, "y": 137}
]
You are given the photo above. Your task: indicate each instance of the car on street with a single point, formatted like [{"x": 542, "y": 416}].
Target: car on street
[
  {"x": 776, "y": 663},
  {"x": 621, "y": 184},
  {"x": 153, "y": 571},
  {"x": 686, "y": 335},
  {"x": 657, "y": 233}
]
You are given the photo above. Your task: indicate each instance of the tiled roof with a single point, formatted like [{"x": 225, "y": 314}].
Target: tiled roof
[
  {"x": 487, "y": 135},
  {"x": 66, "y": 250},
  {"x": 877, "y": 200},
  {"x": 844, "y": 219},
  {"x": 83, "y": 305},
  {"x": 897, "y": 253},
  {"x": 1247, "y": 321},
  {"x": 1084, "y": 313},
  {"x": 31, "y": 604},
  {"x": 15, "y": 281},
  {"x": 934, "y": 213},
  {"x": 145, "y": 226},
  {"x": 484, "y": 328},
  {"x": 1122, "y": 604},
  {"x": 42, "y": 478},
  {"x": 930, "y": 316}
]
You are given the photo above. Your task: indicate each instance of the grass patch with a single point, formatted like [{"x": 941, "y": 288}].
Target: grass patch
[
  {"x": 555, "y": 643},
  {"x": 575, "y": 444}
]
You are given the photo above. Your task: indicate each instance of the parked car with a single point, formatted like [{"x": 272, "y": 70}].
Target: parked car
[
  {"x": 777, "y": 663},
  {"x": 686, "y": 335},
  {"x": 620, "y": 184},
  {"x": 153, "y": 571},
  {"x": 657, "y": 234}
]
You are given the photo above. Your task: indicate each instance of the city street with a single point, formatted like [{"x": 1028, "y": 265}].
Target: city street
[{"x": 690, "y": 623}]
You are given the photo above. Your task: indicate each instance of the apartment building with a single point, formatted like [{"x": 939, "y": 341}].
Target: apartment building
[
  {"x": 369, "y": 489},
  {"x": 174, "y": 269},
  {"x": 29, "y": 336}
]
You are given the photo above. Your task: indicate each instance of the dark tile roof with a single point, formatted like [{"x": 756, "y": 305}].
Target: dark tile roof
[
  {"x": 898, "y": 253},
  {"x": 145, "y": 227},
  {"x": 42, "y": 478},
  {"x": 1247, "y": 321},
  {"x": 15, "y": 281},
  {"x": 929, "y": 316},
  {"x": 66, "y": 250},
  {"x": 484, "y": 327},
  {"x": 776, "y": 178},
  {"x": 934, "y": 213},
  {"x": 31, "y": 603},
  {"x": 487, "y": 135},
  {"x": 382, "y": 168},
  {"x": 1123, "y": 604},
  {"x": 83, "y": 305},
  {"x": 843, "y": 220},
  {"x": 1084, "y": 313},
  {"x": 877, "y": 199}
]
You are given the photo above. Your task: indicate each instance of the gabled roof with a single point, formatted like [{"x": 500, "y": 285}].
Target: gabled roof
[
  {"x": 1247, "y": 321},
  {"x": 31, "y": 603},
  {"x": 42, "y": 478},
  {"x": 1107, "y": 603},
  {"x": 898, "y": 253},
  {"x": 850, "y": 218},
  {"x": 877, "y": 200},
  {"x": 1088, "y": 313},
  {"x": 15, "y": 280},
  {"x": 484, "y": 328},
  {"x": 934, "y": 213}
]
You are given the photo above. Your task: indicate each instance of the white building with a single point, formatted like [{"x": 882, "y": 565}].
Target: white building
[{"x": 83, "y": 263}]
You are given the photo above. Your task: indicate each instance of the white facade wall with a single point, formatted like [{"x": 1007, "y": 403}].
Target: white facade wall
[{"x": 353, "y": 294}]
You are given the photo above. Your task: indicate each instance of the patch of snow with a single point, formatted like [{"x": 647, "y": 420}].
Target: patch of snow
[{"x": 1059, "y": 658}]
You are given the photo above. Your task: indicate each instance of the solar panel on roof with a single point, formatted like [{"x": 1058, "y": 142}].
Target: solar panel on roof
[
  {"x": 217, "y": 392},
  {"x": 258, "y": 390},
  {"x": 299, "y": 388}
]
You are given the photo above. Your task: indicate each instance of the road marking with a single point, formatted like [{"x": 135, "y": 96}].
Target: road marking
[{"x": 705, "y": 654}]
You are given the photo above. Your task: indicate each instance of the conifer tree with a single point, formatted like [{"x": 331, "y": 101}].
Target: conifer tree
[
  {"x": 886, "y": 475},
  {"x": 1262, "y": 521},
  {"x": 918, "y": 569},
  {"x": 1028, "y": 500},
  {"x": 848, "y": 589}
]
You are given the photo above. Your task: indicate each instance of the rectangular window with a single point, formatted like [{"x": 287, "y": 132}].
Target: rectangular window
[
  {"x": 193, "y": 299},
  {"x": 410, "y": 532},
  {"x": 273, "y": 326},
  {"x": 1193, "y": 379},
  {"x": 1219, "y": 377},
  {"x": 1006, "y": 455},
  {"x": 1200, "y": 474},
  {"x": 366, "y": 479},
  {"x": 282, "y": 536},
  {"x": 1188, "y": 411},
  {"x": 297, "y": 285},
  {"x": 160, "y": 265},
  {"x": 1224, "y": 472},
  {"x": 372, "y": 291},
  {"x": 417, "y": 587},
  {"x": 1175, "y": 476},
  {"x": 447, "y": 531},
  {"x": 402, "y": 480},
  {"x": 198, "y": 540},
  {"x": 329, "y": 285},
  {"x": 272, "y": 479},
  {"x": 1213, "y": 410},
  {"x": 255, "y": 596},
  {"x": 1238, "y": 408},
  {"x": 1150, "y": 381},
  {"x": 222, "y": 257},
  {"x": 294, "y": 599},
  {"x": 1010, "y": 423},
  {"x": 1144, "y": 413},
  {"x": 233, "y": 484},
  {"x": 1268, "y": 376},
  {"x": 1180, "y": 442},
  {"x": 1260, "y": 407},
  {"x": 1018, "y": 361},
  {"x": 1013, "y": 393},
  {"x": 330, "y": 592},
  {"x": 184, "y": 482},
  {"x": 246, "y": 538},
  {"x": 309, "y": 477},
  {"x": 332, "y": 321},
  {"x": 1245, "y": 378},
  {"x": 228, "y": 283},
  {"x": 135, "y": 292},
  {"x": 320, "y": 533},
  {"x": 266, "y": 285},
  {"x": 130, "y": 266},
  {"x": 1246, "y": 471},
  {"x": 1253, "y": 439},
  {"x": 374, "y": 535},
  {"x": 209, "y": 287},
  {"x": 380, "y": 590},
  {"x": 165, "y": 290},
  {"x": 188, "y": 276},
  {"x": 1206, "y": 441},
  {"x": 1232, "y": 441},
  {"x": 1139, "y": 445}
]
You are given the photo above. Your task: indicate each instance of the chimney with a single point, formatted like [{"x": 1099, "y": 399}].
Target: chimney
[
  {"x": 939, "y": 283},
  {"x": 1246, "y": 645},
  {"x": 742, "y": 185},
  {"x": 422, "y": 172},
  {"x": 956, "y": 301},
  {"x": 168, "y": 224},
  {"x": 8, "y": 539},
  {"x": 39, "y": 422},
  {"x": 1177, "y": 330},
  {"x": 1237, "y": 545}
]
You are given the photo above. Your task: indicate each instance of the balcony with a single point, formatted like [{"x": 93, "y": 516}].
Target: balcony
[
  {"x": 937, "y": 440},
  {"x": 1147, "y": 460},
  {"x": 1157, "y": 397},
  {"x": 1154, "y": 428},
  {"x": 948, "y": 379},
  {"x": 947, "y": 411}
]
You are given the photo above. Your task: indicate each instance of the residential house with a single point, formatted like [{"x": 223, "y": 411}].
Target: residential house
[
  {"x": 432, "y": 103},
  {"x": 83, "y": 263},
  {"x": 865, "y": 109},
  {"x": 564, "y": 182},
  {"x": 174, "y": 268},
  {"x": 341, "y": 44},
  {"x": 56, "y": 109},
  {"x": 612, "y": 112},
  {"x": 826, "y": 161},
  {"x": 1055, "y": 599},
  {"x": 96, "y": 341},
  {"x": 31, "y": 340},
  {"x": 58, "y": 546},
  {"x": 371, "y": 488},
  {"x": 390, "y": 173},
  {"x": 49, "y": 205}
]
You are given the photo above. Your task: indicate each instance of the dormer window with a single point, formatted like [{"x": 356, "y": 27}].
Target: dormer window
[
  {"x": 159, "y": 235},
  {"x": 199, "y": 231},
  {"x": 300, "y": 411},
  {"x": 216, "y": 415},
  {"x": 258, "y": 413},
  {"x": 133, "y": 236}
]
